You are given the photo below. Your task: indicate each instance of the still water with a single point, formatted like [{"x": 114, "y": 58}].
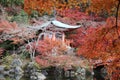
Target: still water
[
  {"x": 48, "y": 78},
  {"x": 53, "y": 77},
  {"x": 53, "y": 74}
]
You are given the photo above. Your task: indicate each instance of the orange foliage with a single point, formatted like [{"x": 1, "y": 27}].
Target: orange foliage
[
  {"x": 102, "y": 39},
  {"x": 41, "y": 6},
  {"x": 6, "y": 26},
  {"x": 47, "y": 6},
  {"x": 103, "y": 6},
  {"x": 50, "y": 47},
  {"x": 11, "y": 31},
  {"x": 103, "y": 43}
]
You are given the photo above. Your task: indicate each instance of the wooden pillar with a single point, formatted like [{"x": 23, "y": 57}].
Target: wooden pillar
[
  {"x": 63, "y": 37},
  {"x": 53, "y": 37}
]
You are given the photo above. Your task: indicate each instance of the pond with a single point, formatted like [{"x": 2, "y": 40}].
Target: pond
[
  {"x": 52, "y": 78},
  {"x": 53, "y": 75}
]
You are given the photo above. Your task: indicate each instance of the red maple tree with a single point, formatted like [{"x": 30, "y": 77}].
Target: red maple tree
[{"x": 103, "y": 43}]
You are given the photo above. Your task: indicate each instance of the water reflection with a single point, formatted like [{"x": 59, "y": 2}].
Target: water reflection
[
  {"x": 77, "y": 77},
  {"x": 15, "y": 77},
  {"x": 52, "y": 76},
  {"x": 2, "y": 77},
  {"x": 21, "y": 77},
  {"x": 70, "y": 78},
  {"x": 11, "y": 77}
]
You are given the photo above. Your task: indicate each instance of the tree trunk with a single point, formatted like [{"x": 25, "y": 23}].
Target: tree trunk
[
  {"x": 117, "y": 13},
  {"x": 117, "y": 16}
]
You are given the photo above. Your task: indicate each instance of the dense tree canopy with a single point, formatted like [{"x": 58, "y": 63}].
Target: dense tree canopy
[
  {"x": 47, "y": 6},
  {"x": 97, "y": 39}
]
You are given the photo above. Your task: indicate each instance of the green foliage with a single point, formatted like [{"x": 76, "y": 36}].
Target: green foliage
[
  {"x": 25, "y": 55},
  {"x": 8, "y": 45},
  {"x": 22, "y": 17},
  {"x": 37, "y": 66},
  {"x": 34, "y": 14},
  {"x": 7, "y": 60},
  {"x": 11, "y": 2}
]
